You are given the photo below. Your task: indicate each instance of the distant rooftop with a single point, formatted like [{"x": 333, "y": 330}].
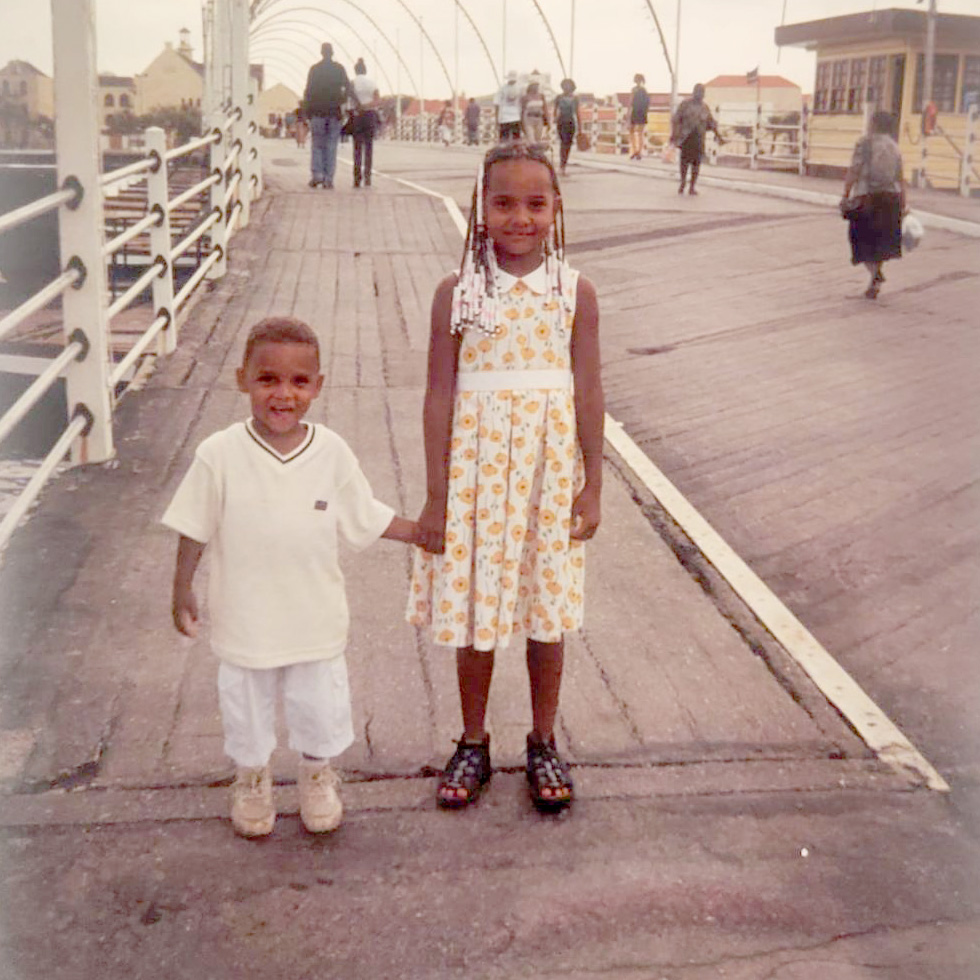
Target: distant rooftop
[
  {"x": 740, "y": 81},
  {"x": 951, "y": 29}
]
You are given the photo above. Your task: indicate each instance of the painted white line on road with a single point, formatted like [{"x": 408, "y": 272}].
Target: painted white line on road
[
  {"x": 451, "y": 206},
  {"x": 875, "y": 728},
  {"x": 836, "y": 685}
]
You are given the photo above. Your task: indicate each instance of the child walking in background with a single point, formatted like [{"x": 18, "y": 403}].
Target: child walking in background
[
  {"x": 270, "y": 496},
  {"x": 513, "y": 440}
]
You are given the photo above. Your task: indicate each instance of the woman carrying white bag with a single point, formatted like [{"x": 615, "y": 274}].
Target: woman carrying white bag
[{"x": 874, "y": 201}]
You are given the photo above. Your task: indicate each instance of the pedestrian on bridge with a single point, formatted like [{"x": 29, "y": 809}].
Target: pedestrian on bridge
[
  {"x": 878, "y": 187},
  {"x": 639, "y": 108},
  {"x": 507, "y": 103},
  {"x": 689, "y": 127},
  {"x": 513, "y": 446},
  {"x": 568, "y": 120},
  {"x": 270, "y": 497},
  {"x": 327, "y": 90},
  {"x": 365, "y": 101}
]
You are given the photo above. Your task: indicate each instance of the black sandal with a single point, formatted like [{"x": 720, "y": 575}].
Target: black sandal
[
  {"x": 546, "y": 770},
  {"x": 469, "y": 770}
]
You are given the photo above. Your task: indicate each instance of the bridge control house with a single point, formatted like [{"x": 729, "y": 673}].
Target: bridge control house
[{"x": 876, "y": 60}]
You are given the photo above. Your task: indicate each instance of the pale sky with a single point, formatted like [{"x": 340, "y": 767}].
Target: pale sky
[{"x": 614, "y": 39}]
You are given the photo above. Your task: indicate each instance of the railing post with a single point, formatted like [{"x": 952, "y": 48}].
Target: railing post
[
  {"x": 240, "y": 89},
  {"x": 801, "y": 141},
  {"x": 754, "y": 149},
  {"x": 219, "y": 231},
  {"x": 80, "y": 225},
  {"x": 254, "y": 150},
  {"x": 157, "y": 198},
  {"x": 966, "y": 158}
]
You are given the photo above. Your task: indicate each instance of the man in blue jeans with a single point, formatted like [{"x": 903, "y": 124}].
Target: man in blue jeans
[{"x": 326, "y": 92}]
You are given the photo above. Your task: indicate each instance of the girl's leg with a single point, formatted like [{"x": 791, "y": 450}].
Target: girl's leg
[
  {"x": 474, "y": 671},
  {"x": 548, "y": 776},
  {"x": 684, "y": 166},
  {"x": 468, "y": 771},
  {"x": 544, "y": 669}
]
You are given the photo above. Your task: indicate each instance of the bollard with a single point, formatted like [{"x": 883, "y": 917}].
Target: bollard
[{"x": 76, "y": 90}]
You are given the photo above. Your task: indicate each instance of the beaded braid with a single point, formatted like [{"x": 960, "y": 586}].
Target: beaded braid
[{"x": 475, "y": 297}]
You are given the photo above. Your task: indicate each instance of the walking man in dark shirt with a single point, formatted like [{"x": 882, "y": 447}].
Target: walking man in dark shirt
[{"x": 327, "y": 89}]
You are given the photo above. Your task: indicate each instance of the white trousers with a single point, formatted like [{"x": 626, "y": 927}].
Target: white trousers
[{"x": 316, "y": 698}]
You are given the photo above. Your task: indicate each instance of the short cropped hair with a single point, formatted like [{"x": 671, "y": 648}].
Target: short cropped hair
[
  {"x": 326, "y": 49},
  {"x": 280, "y": 330}
]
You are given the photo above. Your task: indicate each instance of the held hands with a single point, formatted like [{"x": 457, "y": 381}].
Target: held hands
[
  {"x": 585, "y": 514},
  {"x": 432, "y": 527}
]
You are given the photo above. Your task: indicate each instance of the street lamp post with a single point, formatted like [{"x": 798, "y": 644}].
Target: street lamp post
[{"x": 674, "y": 83}]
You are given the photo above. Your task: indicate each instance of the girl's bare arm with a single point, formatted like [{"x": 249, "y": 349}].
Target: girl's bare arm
[
  {"x": 437, "y": 418},
  {"x": 589, "y": 408}
]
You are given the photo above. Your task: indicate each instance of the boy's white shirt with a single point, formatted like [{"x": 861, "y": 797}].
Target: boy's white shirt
[{"x": 276, "y": 593}]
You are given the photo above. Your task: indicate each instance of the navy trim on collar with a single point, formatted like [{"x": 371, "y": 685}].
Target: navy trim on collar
[{"x": 298, "y": 451}]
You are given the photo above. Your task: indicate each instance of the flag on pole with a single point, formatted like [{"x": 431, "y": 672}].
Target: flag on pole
[{"x": 752, "y": 77}]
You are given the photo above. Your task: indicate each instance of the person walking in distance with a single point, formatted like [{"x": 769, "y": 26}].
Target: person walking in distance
[
  {"x": 326, "y": 93},
  {"x": 568, "y": 121},
  {"x": 875, "y": 179},
  {"x": 534, "y": 114},
  {"x": 639, "y": 108},
  {"x": 513, "y": 448},
  {"x": 472, "y": 119},
  {"x": 302, "y": 127},
  {"x": 445, "y": 123},
  {"x": 689, "y": 127},
  {"x": 507, "y": 103},
  {"x": 269, "y": 498},
  {"x": 365, "y": 99}
]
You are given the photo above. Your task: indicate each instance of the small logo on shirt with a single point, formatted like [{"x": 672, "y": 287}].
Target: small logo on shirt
[{"x": 320, "y": 505}]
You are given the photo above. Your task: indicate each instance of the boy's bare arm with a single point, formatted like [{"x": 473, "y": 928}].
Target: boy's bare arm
[
  {"x": 184, "y": 606},
  {"x": 404, "y": 530}
]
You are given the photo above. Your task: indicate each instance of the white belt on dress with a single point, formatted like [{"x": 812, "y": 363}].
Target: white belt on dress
[{"x": 543, "y": 380}]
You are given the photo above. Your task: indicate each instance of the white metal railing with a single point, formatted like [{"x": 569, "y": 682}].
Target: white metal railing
[{"x": 94, "y": 378}]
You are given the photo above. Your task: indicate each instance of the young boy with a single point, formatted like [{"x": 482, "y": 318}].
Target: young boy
[{"x": 269, "y": 497}]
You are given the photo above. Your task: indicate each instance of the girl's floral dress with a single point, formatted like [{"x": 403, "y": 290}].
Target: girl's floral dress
[{"x": 514, "y": 470}]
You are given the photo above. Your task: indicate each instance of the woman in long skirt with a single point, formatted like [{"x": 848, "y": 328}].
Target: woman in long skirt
[{"x": 875, "y": 180}]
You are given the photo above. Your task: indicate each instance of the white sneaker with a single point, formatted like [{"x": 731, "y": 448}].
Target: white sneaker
[
  {"x": 319, "y": 802},
  {"x": 252, "y": 810}
]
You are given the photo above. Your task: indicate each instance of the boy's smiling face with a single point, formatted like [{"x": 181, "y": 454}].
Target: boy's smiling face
[{"x": 281, "y": 379}]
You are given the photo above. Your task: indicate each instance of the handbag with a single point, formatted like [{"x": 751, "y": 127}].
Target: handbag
[
  {"x": 348, "y": 128},
  {"x": 582, "y": 141},
  {"x": 852, "y": 207},
  {"x": 669, "y": 153}
]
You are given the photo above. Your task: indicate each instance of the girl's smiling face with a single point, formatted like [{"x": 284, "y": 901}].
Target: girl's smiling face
[{"x": 520, "y": 212}]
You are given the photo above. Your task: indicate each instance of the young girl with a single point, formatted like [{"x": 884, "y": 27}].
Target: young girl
[{"x": 513, "y": 441}]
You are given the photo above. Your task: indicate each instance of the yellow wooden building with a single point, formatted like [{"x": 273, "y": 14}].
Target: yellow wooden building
[{"x": 875, "y": 60}]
